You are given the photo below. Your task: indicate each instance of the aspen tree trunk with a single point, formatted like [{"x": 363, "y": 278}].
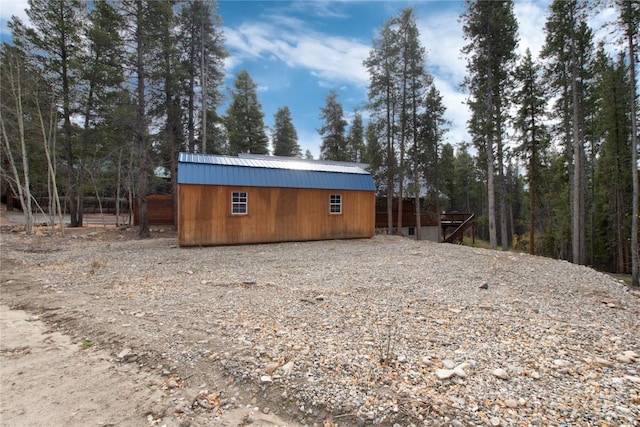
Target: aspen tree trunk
[{"x": 50, "y": 167}]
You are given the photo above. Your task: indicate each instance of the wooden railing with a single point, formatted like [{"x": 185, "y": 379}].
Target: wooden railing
[{"x": 461, "y": 221}]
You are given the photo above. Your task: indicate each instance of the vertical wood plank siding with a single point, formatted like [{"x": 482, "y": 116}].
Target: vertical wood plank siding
[{"x": 274, "y": 215}]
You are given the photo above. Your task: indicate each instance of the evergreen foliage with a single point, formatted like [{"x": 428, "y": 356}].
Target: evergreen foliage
[
  {"x": 284, "y": 136},
  {"x": 244, "y": 119}
]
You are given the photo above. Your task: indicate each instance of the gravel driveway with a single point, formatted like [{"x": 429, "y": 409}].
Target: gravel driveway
[{"x": 385, "y": 331}]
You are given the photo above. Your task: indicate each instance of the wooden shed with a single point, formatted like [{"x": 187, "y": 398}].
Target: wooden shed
[{"x": 257, "y": 199}]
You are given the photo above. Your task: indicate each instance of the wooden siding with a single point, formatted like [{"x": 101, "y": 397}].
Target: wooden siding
[
  {"x": 274, "y": 215},
  {"x": 427, "y": 219},
  {"x": 159, "y": 210}
]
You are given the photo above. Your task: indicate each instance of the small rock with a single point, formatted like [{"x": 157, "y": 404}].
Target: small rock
[
  {"x": 266, "y": 379},
  {"x": 535, "y": 375},
  {"x": 603, "y": 362},
  {"x": 448, "y": 364},
  {"x": 124, "y": 353},
  {"x": 320, "y": 298},
  {"x": 625, "y": 358},
  {"x": 500, "y": 373},
  {"x": 287, "y": 367},
  {"x": 444, "y": 374},
  {"x": 495, "y": 421},
  {"x": 484, "y": 285},
  {"x": 561, "y": 363},
  {"x": 172, "y": 383},
  {"x": 632, "y": 378},
  {"x": 458, "y": 371},
  {"x": 270, "y": 368},
  {"x": 511, "y": 403}
]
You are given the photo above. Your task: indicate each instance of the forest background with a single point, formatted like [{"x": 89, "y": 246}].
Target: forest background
[{"x": 97, "y": 98}]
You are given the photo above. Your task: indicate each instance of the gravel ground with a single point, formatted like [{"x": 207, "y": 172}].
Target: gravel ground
[{"x": 384, "y": 331}]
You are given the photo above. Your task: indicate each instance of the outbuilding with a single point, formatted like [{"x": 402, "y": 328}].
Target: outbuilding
[{"x": 225, "y": 200}]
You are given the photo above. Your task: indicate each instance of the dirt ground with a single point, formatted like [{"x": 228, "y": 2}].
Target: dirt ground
[
  {"x": 121, "y": 331},
  {"x": 49, "y": 379}
]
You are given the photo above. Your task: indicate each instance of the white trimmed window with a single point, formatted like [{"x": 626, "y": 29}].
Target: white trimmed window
[
  {"x": 335, "y": 204},
  {"x": 239, "y": 203}
]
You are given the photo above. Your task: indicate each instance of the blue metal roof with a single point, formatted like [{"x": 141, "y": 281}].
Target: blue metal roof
[{"x": 266, "y": 171}]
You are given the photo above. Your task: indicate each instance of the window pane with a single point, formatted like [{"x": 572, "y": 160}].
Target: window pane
[
  {"x": 239, "y": 202},
  {"x": 335, "y": 203}
]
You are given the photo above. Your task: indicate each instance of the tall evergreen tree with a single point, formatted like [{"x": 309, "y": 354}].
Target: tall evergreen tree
[
  {"x": 56, "y": 32},
  {"x": 529, "y": 124},
  {"x": 630, "y": 22},
  {"x": 334, "y": 143},
  {"x": 143, "y": 36},
  {"x": 244, "y": 119},
  {"x": 613, "y": 168},
  {"x": 355, "y": 139},
  {"x": 490, "y": 29},
  {"x": 431, "y": 127},
  {"x": 374, "y": 154},
  {"x": 383, "y": 66},
  {"x": 102, "y": 78},
  {"x": 202, "y": 44},
  {"x": 284, "y": 136},
  {"x": 568, "y": 52}
]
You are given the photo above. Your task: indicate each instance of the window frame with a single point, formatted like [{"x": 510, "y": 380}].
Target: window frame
[
  {"x": 335, "y": 200},
  {"x": 239, "y": 203}
]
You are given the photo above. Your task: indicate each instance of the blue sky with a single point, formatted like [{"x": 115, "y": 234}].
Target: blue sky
[{"x": 297, "y": 51}]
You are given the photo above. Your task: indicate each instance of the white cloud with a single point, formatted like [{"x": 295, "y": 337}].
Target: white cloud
[
  {"x": 441, "y": 35},
  {"x": 309, "y": 139},
  {"x": 330, "y": 58},
  {"x": 531, "y": 21}
]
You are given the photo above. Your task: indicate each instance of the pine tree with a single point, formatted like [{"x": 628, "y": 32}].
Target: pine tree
[
  {"x": 355, "y": 139},
  {"x": 334, "y": 143},
  {"x": 143, "y": 36},
  {"x": 383, "y": 66},
  {"x": 374, "y": 154},
  {"x": 613, "y": 167},
  {"x": 244, "y": 118},
  {"x": 284, "y": 136},
  {"x": 202, "y": 43},
  {"x": 102, "y": 76},
  {"x": 56, "y": 32},
  {"x": 568, "y": 50},
  {"x": 529, "y": 123},
  {"x": 431, "y": 126},
  {"x": 630, "y": 21},
  {"x": 490, "y": 29}
]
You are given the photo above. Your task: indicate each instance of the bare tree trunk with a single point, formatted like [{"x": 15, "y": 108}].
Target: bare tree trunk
[
  {"x": 504, "y": 234},
  {"x": 635, "y": 256},
  {"x": 533, "y": 183},
  {"x": 203, "y": 93},
  {"x": 22, "y": 184},
  {"x": 416, "y": 180},
  {"x": 47, "y": 136},
  {"x": 577, "y": 203},
  {"x": 491, "y": 189},
  {"x": 390, "y": 160},
  {"x": 141, "y": 125},
  {"x": 117, "y": 204}
]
